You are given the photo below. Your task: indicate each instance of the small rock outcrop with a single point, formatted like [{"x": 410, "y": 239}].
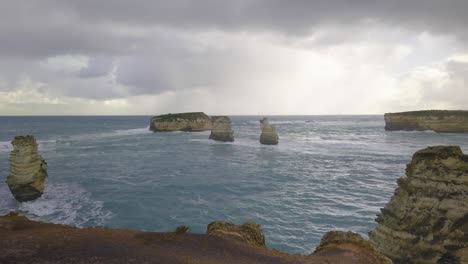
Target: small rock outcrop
[
  {"x": 191, "y": 122},
  {"x": 441, "y": 121},
  {"x": 349, "y": 243},
  {"x": 268, "y": 136},
  {"x": 221, "y": 129},
  {"x": 28, "y": 170},
  {"x": 426, "y": 221},
  {"x": 250, "y": 232}
]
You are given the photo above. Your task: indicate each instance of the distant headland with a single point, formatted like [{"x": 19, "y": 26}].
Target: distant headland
[{"x": 441, "y": 121}]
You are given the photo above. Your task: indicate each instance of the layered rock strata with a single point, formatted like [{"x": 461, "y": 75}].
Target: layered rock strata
[
  {"x": 221, "y": 129},
  {"x": 426, "y": 220},
  {"x": 28, "y": 170},
  {"x": 269, "y": 135},
  {"x": 191, "y": 122},
  {"x": 436, "y": 120},
  {"x": 250, "y": 232}
]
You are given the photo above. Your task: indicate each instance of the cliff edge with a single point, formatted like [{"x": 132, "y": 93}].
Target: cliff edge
[
  {"x": 191, "y": 122},
  {"x": 442, "y": 121},
  {"x": 426, "y": 220}
]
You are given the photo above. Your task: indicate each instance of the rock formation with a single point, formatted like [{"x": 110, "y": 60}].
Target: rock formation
[
  {"x": 268, "y": 136},
  {"x": 426, "y": 221},
  {"x": 28, "y": 170},
  {"x": 250, "y": 232},
  {"x": 351, "y": 243},
  {"x": 221, "y": 129},
  {"x": 191, "y": 122},
  {"x": 435, "y": 120}
]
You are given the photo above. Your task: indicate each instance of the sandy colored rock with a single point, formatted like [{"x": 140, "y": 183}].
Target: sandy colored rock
[
  {"x": 250, "y": 232},
  {"x": 269, "y": 135},
  {"x": 191, "y": 122},
  {"x": 28, "y": 170},
  {"x": 436, "y": 120},
  {"x": 221, "y": 129},
  {"x": 426, "y": 221}
]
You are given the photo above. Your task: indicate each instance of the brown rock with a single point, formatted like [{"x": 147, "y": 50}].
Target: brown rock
[
  {"x": 191, "y": 122},
  {"x": 436, "y": 120},
  {"x": 269, "y": 135},
  {"x": 221, "y": 129},
  {"x": 250, "y": 232}
]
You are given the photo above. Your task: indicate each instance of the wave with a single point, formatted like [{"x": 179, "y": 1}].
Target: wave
[
  {"x": 282, "y": 122},
  {"x": 68, "y": 205},
  {"x": 114, "y": 133},
  {"x": 6, "y": 146}
]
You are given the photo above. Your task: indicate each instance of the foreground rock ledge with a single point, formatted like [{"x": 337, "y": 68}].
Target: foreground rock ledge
[
  {"x": 442, "y": 121},
  {"x": 191, "y": 122},
  {"x": 28, "y": 170},
  {"x": 26, "y": 241},
  {"x": 426, "y": 221}
]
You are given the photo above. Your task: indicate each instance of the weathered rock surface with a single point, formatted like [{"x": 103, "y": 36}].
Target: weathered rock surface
[
  {"x": 28, "y": 170},
  {"x": 190, "y": 122},
  {"x": 221, "y": 129},
  {"x": 26, "y": 241},
  {"x": 352, "y": 243},
  {"x": 426, "y": 221},
  {"x": 436, "y": 120},
  {"x": 250, "y": 232},
  {"x": 269, "y": 135}
]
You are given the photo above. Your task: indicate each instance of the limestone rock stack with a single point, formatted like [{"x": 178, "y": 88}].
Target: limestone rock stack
[
  {"x": 221, "y": 129},
  {"x": 442, "y": 121},
  {"x": 250, "y": 232},
  {"x": 191, "y": 122},
  {"x": 426, "y": 221},
  {"x": 28, "y": 170},
  {"x": 268, "y": 136}
]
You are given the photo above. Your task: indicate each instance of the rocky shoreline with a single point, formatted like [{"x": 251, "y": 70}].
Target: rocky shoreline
[{"x": 441, "y": 121}]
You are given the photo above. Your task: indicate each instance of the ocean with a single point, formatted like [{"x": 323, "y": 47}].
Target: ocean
[{"x": 327, "y": 173}]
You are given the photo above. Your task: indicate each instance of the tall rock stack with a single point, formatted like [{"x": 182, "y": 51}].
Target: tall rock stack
[
  {"x": 426, "y": 221},
  {"x": 28, "y": 170},
  {"x": 221, "y": 129},
  {"x": 268, "y": 136}
]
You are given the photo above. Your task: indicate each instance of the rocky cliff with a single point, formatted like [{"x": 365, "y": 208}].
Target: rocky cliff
[
  {"x": 28, "y": 170},
  {"x": 221, "y": 129},
  {"x": 436, "y": 120},
  {"x": 268, "y": 136},
  {"x": 191, "y": 122},
  {"x": 426, "y": 221}
]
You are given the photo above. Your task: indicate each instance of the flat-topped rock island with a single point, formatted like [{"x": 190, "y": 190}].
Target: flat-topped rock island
[
  {"x": 191, "y": 122},
  {"x": 441, "y": 121}
]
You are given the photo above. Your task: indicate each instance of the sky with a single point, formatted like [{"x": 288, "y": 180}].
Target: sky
[{"x": 243, "y": 57}]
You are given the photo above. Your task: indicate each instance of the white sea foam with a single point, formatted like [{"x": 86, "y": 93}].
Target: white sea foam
[
  {"x": 66, "y": 204},
  {"x": 5, "y": 146}
]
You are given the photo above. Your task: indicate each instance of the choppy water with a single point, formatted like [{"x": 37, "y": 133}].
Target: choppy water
[{"x": 328, "y": 172}]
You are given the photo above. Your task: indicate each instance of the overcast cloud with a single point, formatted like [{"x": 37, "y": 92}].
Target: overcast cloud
[{"x": 232, "y": 57}]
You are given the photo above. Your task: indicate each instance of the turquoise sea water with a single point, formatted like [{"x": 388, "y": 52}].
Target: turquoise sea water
[{"x": 328, "y": 172}]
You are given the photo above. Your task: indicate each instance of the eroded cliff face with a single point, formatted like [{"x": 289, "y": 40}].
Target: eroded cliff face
[
  {"x": 438, "y": 121},
  {"x": 28, "y": 170},
  {"x": 221, "y": 129},
  {"x": 426, "y": 221},
  {"x": 269, "y": 135},
  {"x": 191, "y": 122}
]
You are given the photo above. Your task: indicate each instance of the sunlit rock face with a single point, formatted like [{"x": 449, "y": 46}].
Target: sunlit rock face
[
  {"x": 191, "y": 122},
  {"x": 28, "y": 170},
  {"x": 426, "y": 221},
  {"x": 221, "y": 129},
  {"x": 269, "y": 135},
  {"x": 435, "y": 120}
]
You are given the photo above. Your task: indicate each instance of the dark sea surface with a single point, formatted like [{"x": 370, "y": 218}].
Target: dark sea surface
[{"x": 328, "y": 172}]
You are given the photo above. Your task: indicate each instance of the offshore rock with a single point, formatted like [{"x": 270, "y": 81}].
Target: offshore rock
[
  {"x": 352, "y": 244},
  {"x": 250, "y": 232},
  {"x": 221, "y": 129},
  {"x": 28, "y": 170},
  {"x": 268, "y": 136},
  {"x": 191, "y": 122},
  {"x": 426, "y": 221},
  {"x": 441, "y": 121}
]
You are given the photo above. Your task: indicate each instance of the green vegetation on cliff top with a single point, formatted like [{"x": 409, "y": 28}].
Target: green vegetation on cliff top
[
  {"x": 174, "y": 117},
  {"x": 433, "y": 113}
]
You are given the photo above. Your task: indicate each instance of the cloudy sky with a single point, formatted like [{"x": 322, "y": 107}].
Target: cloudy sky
[{"x": 88, "y": 57}]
